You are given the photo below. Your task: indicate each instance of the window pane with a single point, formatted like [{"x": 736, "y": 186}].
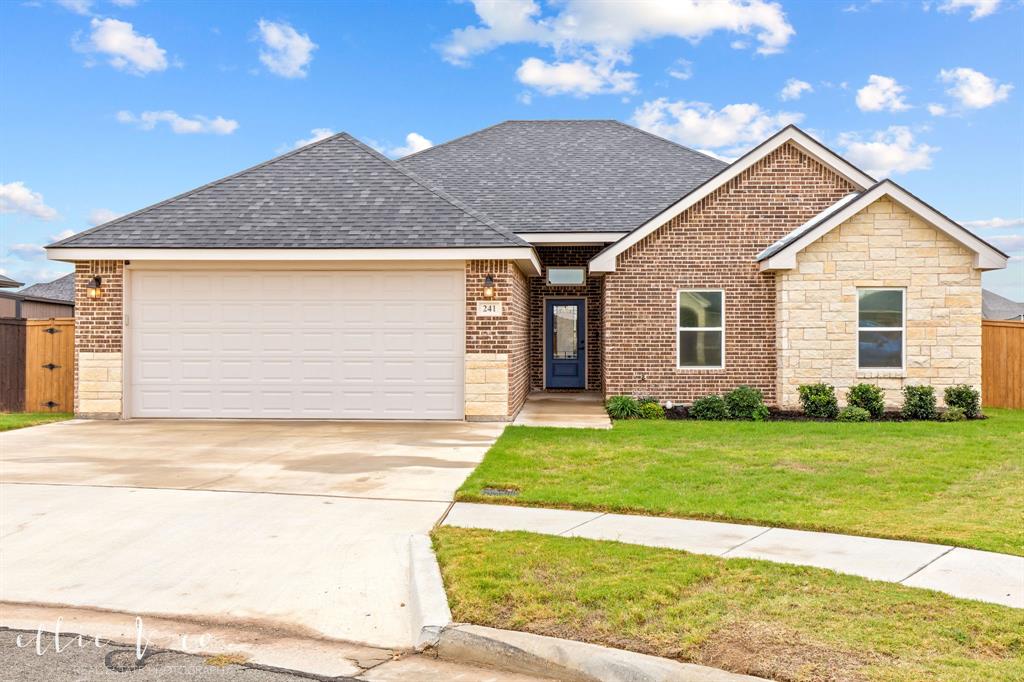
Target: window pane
[
  {"x": 700, "y": 349},
  {"x": 700, "y": 308},
  {"x": 566, "y": 276},
  {"x": 881, "y": 308},
  {"x": 563, "y": 335},
  {"x": 881, "y": 349}
]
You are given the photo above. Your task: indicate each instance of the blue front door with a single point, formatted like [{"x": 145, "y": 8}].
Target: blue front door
[{"x": 564, "y": 343}]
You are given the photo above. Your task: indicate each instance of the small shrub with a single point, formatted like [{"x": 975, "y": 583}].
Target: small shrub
[
  {"x": 918, "y": 402},
  {"x": 852, "y": 413},
  {"x": 819, "y": 400},
  {"x": 964, "y": 397},
  {"x": 622, "y": 407},
  {"x": 953, "y": 414},
  {"x": 710, "y": 408},
  {"x": 647, "y": 400},
  {"x": 868, "y": 397},
  {"x": 652, "y": 411},
  {"x": 745, "y": 403}
]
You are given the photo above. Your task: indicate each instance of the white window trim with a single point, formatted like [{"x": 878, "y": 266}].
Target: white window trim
[
  {"x": 902, "y": 330},
  {"x": 581, "y": 269},
  {"x": 680, "y": 328}
]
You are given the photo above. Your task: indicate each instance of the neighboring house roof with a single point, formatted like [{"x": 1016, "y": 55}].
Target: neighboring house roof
[
  {"x": 333, "y": 194},
  {"x": 782, "y": 254},
  {"x": 605, "y": 261},
  {"x": 996, "y": 307},
  {"x": 564, "y": 176},
  {"x": 8, "y": 283},
  {"x": 61, "y": 289}
]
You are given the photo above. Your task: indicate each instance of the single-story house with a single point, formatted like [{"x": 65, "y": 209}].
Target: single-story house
[
  {"x": 996, "y": 307},
  {"x": 332, "y": 282},
  {"x": 41, "y": 301}
]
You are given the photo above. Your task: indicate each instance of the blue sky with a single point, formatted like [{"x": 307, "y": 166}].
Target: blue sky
[{"x": 110, "y": 106}]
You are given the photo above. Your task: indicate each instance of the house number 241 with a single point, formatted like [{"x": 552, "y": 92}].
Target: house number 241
[{"x": 488, "y": 308}]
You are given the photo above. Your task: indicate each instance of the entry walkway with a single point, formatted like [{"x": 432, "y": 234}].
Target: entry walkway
[
  {"x": 578, "y": 410},
  {"x": 967, "y": 573}
]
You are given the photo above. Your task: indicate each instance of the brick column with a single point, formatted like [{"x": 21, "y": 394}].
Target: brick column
[{"x": 99, "y": 325}]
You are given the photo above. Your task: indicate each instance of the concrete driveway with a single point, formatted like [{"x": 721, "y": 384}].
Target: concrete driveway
[{"x": 294, "y": 526}]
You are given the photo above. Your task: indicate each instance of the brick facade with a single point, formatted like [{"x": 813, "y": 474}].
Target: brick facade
[
  {"x": 99, "y": 325},
  {"x": 711, "y": 245},
  {"x": 882, "y": 246},
  {"x": 497, "y": 348},
  {"x": 567, "y": 256}
]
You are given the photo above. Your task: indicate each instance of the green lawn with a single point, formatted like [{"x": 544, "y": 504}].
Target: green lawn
[
  {"x": 19, "y": 420},
  {"x": 956, "y": 483},
  {"x": 777, "y": 621}
]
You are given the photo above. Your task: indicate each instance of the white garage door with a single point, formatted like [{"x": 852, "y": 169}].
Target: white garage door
[{"x": 315, "y": 345}]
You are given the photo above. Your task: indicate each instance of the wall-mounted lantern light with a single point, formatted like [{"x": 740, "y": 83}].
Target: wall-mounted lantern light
[
  {"x": 489, "y": 286},
  {"x": 94, "y": 288}
]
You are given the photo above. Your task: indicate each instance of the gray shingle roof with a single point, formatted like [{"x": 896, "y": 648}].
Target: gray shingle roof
[
  {"x": 8, "y": 283},
  {"x": 996, "y": 307},
  {"x": 336, "y": 193},
  {"x": 61, "y": 289},
  {"x": 565, "y": 176}
]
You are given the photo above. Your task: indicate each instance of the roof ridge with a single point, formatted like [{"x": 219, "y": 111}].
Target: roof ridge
[
  {"x": 441, "y": 194},
  {"x": 212, "y": 183},
  {"x": 451, "y": 141}
]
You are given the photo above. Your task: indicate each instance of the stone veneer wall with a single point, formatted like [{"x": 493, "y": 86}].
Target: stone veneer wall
[
  {"x": 99, "y": 324},
  {"x": 497, "y": 348},
  {"x": 591, "y": 291},
  {"x": 882, "y": 246},
  {"x": 712, "y": 245}
]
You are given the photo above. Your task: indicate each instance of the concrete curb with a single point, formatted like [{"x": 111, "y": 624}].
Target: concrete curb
[
  {"x": 567, "y": 660},
  {"x": 428, "y": 604}
]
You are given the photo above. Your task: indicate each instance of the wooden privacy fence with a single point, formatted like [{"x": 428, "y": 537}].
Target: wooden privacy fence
[
  {"x": 1002, "y": 364},
  {"x": 37, "y": 365}
]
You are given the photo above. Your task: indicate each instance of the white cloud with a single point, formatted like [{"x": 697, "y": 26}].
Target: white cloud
[
  {"x": 591, "y": 38},
  {"x": 682, "y": 69},
  {"x": 887, "y": 152},
  {"x": 881, "y": 93},
  {"x": 33, "y": 272},
  {"x": 697, "y": 124},
  {"x": 578, "y": 77},
  {"x": 315, "y": 135},
  {"x": 124, "y": 3},
  {"x": 180, "y": 125},
  {"x": 83, "y": 7},
  {"x": 287, "y": 52},
  {"x": 97, "y": 216},
  {"x": 979, "y": 8},
  {"x": 973, "y": 89},
  {"x": 63, "y": 234},
  {"x": 414, "y": 142},
  {"x": 1007, "y": 242},
  {"x": 27, "y": 251},
  {"x": 794, "y": 89},
  {"x": 15, "y": 197},
  {"x": 936, "y": 109},
  {"x": 126, "y": 49},
  {"x": 993, "y": 223}
]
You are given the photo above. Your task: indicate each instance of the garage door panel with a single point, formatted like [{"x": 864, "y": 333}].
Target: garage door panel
[{"x": 340, "y": 345}]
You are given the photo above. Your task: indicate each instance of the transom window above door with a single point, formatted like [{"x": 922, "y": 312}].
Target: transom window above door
[
  {"x": 566, "y": 276},
  {"x": 880, "y": 328},
  {"x": 701, "y": 329}
]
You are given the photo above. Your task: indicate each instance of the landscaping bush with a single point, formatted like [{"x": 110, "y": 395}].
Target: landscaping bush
[
  {"x": 868, "y": 397},
  {"x": 710, "y": 408},
  {"x": 852, "y": 413},
  {"x": 819, "y": 400},
  {"x": 746, "y": 403},
  {"x": 964, "y": 397},
  {"x": 623, "y": 407},
  {"x": 647, "y": 400},
  {"x": 918, "y": 402},
  {"x": 652, "y": 411},
  {"x": 953, "y": 414}
]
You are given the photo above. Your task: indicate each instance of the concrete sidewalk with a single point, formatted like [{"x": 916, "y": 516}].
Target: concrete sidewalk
[{"x": 967, "y": 573}]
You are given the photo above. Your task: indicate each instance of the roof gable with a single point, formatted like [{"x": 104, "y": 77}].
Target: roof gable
[
  {"x": 335, "y": 193},
  {"x": 564, "y": 176},
  {"x": 782, "y": 254}
]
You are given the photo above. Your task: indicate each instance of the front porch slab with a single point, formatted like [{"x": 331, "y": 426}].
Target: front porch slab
[{"x": 578, "y": 410}]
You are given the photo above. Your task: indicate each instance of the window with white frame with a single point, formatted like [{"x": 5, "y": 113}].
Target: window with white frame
[
  {"x": 701, "y": 329},
  {"x": 566, "y": 276},
  {"x": 881, "y": 328}
]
